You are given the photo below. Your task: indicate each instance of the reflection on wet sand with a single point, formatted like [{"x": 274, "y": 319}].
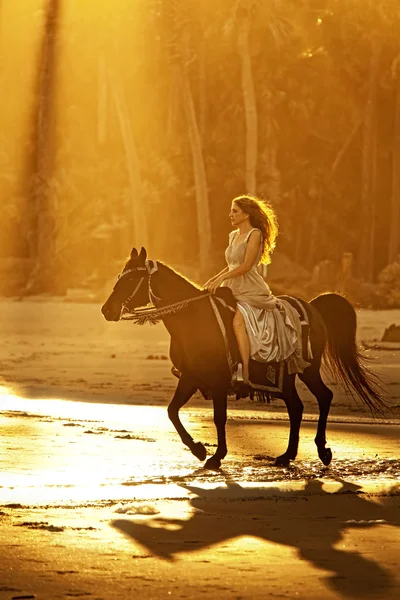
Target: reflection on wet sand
[{"x": 135, "y": 446}]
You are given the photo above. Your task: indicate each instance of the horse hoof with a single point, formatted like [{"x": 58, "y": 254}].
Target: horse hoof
[
  {"x": 199, "y": 451},
  {"x": 325, "y": 454},
  {"x": 213, "y": 464},
  {"x": 282, "y": 461}
]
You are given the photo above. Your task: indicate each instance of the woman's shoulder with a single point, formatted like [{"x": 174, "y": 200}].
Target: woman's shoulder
[
  {"x": 232, "y": 235},
  {"x": 252, "y": 233}
]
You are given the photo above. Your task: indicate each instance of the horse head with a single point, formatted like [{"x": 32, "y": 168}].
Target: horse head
[{"x": 131, "y": 289}]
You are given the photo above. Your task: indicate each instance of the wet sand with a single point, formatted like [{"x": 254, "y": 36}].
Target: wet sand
[
  {"x": 99, "y": 499},
  {"x": 104, "y": 502}
]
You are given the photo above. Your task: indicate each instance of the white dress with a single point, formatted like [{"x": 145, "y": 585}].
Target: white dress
[{"x": 273, "y": 325}]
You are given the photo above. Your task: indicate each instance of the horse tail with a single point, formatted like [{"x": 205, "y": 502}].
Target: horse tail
[{"x": 342, "y": 356}]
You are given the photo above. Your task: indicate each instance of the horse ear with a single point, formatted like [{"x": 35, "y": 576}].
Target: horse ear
[
  {"x": 134, "y": 253},
  {"x": 142, "y": 255}
]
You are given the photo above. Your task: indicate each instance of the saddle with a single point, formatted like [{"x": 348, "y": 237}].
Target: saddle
[{"x": 266, "y": 378}]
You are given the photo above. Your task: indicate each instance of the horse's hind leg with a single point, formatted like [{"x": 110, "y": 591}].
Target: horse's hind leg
[
  {"x": 184, "y": 391},
  {"x": 220, "y": 408},
  {"x": 294, "y": 407},
  {"x": 312, "y": 378}
]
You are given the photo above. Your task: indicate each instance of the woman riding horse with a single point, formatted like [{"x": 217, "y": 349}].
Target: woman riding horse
[
  {"x": 199, "y": 324},
  {"x": 267, "y": 329}
]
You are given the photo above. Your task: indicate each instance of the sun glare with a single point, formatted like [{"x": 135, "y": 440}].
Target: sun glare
[
  {"x": 13, "y": 400},
  {"x": 79, "y": 450}
]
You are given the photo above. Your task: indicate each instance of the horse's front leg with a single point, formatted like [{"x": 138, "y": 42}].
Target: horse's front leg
[
  {"x": 184, "y": 391},
  {"x": 220, "y": 408}
]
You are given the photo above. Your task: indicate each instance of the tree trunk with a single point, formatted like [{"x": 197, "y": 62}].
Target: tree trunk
[
  {"x": 139, "y": 228},
  {"x": 199, "y": 172},
  {"x": 250, "y": 108},
  {"x": 368, "y": 200},
  {"x": 176, "y": 21},
  {"x": 297, "y": 200},
  {"x": 345, "y": 147},
  {"x": 202, "y": 89},
  {"x": 395, "y": 200},
  {"x": 43, "y": 234},
  {"x": 270, "y": 168},
  {"x": 171, "y": 112},
  {"x": 102, "y": 102},
  {"x": 312, "y": 237}
]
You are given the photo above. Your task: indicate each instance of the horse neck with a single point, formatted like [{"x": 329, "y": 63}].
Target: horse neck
[{"x": 170, "y": 287}]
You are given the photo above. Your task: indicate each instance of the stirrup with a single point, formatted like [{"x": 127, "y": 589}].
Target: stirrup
[
  {"x": 237, "y": 376},
  {"x": 241, "y": 389}
]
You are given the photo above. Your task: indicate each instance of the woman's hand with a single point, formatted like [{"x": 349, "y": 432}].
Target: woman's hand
[
  {"x": 208, "y": 283},
  {"x": 215, "y": 284}
]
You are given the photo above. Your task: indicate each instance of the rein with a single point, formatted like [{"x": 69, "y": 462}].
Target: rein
[{"x": 153, "y": 315}]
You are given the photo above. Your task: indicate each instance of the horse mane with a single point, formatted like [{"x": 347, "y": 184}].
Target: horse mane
[{"x": 188, "y": 285}]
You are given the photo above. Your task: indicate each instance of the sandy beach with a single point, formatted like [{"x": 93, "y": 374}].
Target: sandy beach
[
  {"x": 99, "y": 499},
  {"x": 146, "y": 146}
]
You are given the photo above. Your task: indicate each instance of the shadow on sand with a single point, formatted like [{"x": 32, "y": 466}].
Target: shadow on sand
[{"x": 311, "y": 520}]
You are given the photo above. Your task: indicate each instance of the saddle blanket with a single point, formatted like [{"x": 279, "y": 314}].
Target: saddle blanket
[{"x": 266, "y": 378}]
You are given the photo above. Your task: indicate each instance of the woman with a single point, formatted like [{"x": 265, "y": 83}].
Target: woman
[{"x": 266, "y": 328}]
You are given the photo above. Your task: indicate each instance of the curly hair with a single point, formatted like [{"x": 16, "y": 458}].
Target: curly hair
[{"x": 263, "y": 217}]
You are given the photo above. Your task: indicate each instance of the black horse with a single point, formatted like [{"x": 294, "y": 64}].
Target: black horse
[{"x": 198, "y": 351}]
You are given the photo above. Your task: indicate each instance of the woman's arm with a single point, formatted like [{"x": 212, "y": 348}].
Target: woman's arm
[
  {"x": 252, "y": 250},
  {"x": 221, "y": 273}
]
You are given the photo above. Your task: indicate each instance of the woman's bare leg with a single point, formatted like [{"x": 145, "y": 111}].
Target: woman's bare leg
[{"x": 239, "y": 327}]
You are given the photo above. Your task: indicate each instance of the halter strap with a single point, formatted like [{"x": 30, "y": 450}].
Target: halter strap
[{"x": 152, "y": 267}]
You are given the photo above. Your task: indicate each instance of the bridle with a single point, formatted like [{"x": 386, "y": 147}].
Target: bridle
[{"x": 151, "y": 267}]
